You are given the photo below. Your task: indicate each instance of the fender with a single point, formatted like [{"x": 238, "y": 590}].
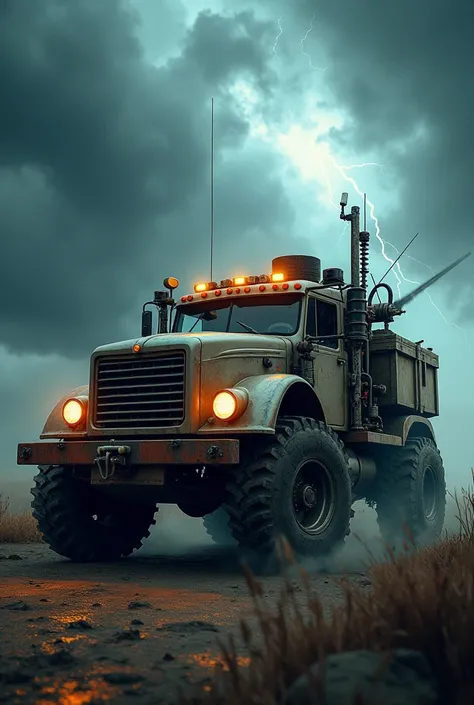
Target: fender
[
  {"x": 410, "y": 425},
  {"x": 55, "y": 426},
  {"x": 268, "y": 395}
]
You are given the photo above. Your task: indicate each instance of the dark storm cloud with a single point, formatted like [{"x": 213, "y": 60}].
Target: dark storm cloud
[
  {"x": 403, "y": 68},
  {"x": 97, "y": 149}
]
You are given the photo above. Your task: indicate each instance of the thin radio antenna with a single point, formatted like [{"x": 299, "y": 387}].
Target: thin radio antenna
[
  {"x": 399, "y": 256},
  {"x": 365, "y": 212},
  {"x": 212, "y": 186}
]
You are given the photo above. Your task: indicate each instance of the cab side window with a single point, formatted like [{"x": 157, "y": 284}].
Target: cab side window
[
  {"x": 326, "y": 323},
  {"x": 311, "y": 318},
  {"x": 322, "y": 320}
]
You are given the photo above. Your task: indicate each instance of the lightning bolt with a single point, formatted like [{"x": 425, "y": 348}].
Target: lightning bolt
[
  {"x": 302, "y": 43},
  {"x": 399, "y": 275},
  {"x": 342, "y": 169},
  {"x": 278, "y": 35},
  {"x": 396, "y": 270},
  {"x": 362, "y": 166}
]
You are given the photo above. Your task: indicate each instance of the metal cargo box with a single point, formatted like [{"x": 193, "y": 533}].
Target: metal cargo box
[{"x": 409, "y": 372}]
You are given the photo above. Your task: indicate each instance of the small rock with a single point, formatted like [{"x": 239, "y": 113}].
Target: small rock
[
  {"x": 136, "y": 621},
  {"x": 401, "y": 677},
  {"x": 80, "y": 624},
  {"x": 16, "y": 606},
  {"x": 128, "y": 635},
  {"x": 44, "y": 599},
  {"x": 117, "y": 678},
  {"x": 15, "y": 557},
  {"x": 168, "y": 657},
  {"x": 364, "y": 582},
  {"x": 60, "y": 658},
  {"x": 138, "y": 605},
  {"x": 97, "y": 604}
]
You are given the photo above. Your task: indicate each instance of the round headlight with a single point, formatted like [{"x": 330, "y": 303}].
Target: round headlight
[
  {"x": 224, "y": 405},
  {"x": 73, "y": 412},
  {"x": 229, "y": 403}
]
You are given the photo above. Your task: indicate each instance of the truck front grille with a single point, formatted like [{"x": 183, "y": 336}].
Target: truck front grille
[{"x": 140, "y": 391}]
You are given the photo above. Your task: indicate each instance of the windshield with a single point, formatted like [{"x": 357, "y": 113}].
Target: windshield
[{"x": 271, "y": 315}]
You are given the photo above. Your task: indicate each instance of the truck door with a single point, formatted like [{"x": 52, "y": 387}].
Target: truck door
[{"x": 325, "y": 317}]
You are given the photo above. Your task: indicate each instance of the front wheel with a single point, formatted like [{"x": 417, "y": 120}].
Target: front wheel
[
  {"x": 410, "y": 495},
  {"x": 294, "y": 484},
  {"x": 80, "y": 523}
]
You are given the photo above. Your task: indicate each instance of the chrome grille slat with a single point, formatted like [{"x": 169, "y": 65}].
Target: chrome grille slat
[
  {"x": 140, "y": 391},
  {"x": 143, "y": 394},
  {"x": 134, "y": 377},
  {"x": 146, "y": 386}
]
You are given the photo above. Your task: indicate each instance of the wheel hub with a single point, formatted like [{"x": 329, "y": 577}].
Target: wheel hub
[
  {"x": 309, "y": 496},
  {"x": 313, "y": 497}
]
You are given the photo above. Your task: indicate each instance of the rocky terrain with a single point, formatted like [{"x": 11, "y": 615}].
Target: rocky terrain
[{"x": 134, "y": 631}]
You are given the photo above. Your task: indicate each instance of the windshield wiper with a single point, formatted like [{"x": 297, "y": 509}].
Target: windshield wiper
[{"x": 249, "y": 328}]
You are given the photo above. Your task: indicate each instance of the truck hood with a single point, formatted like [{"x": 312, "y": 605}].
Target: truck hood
[{"x": 214, "y": 345}]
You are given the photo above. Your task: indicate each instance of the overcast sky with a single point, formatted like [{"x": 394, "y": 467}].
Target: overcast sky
[{"x": 104, "y": 170}]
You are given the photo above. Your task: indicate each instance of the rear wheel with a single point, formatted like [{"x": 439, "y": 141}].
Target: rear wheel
[
  {"x": 82, "y": 524},
  {"x": 410, "y": 496},
  {"x": 295, "y": 484}
]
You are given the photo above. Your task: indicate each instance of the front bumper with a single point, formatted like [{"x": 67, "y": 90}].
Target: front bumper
[{"x": 162, "y": 452}]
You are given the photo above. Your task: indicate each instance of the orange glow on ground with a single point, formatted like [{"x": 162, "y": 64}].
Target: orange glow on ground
[
  {"x": 207, "y": 659},
  {"x": 71, "y": 692}
]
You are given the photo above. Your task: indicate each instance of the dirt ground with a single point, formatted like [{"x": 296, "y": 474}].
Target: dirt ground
[{"x": 128, "y": 632}]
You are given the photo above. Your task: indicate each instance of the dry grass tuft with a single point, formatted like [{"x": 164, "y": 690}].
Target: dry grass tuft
[
  {"x": 20, "y": 527},
  {"x": 422, "y": 600}
]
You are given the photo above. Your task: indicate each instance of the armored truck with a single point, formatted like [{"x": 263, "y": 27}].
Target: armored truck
[{"x": 267, "y": 404}]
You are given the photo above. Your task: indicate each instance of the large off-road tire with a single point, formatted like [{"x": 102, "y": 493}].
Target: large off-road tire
[
  {"x": 295, "y": 484},
  {"x": 217, "y": 526},
  {"x": 79, "y": 523},
  {"x": 410, "y": 494}
]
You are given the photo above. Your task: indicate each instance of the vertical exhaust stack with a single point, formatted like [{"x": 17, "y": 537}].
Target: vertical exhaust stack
[{"x": 357, "y": 333}]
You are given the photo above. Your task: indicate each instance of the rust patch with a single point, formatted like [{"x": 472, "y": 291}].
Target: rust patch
[
  {"x": 373, "y": 437},
  {"x": 176, "y": 451}
]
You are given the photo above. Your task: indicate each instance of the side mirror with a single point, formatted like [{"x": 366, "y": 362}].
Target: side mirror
[
  {"x": 209, "y": 316},
  {"x": 147, "y": 321}
]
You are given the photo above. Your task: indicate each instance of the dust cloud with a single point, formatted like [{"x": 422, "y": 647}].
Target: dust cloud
[{"x": 175, "y": 534}]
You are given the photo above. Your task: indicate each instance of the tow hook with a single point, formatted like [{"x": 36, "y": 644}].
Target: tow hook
[{"x": 109, "y": 457}]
